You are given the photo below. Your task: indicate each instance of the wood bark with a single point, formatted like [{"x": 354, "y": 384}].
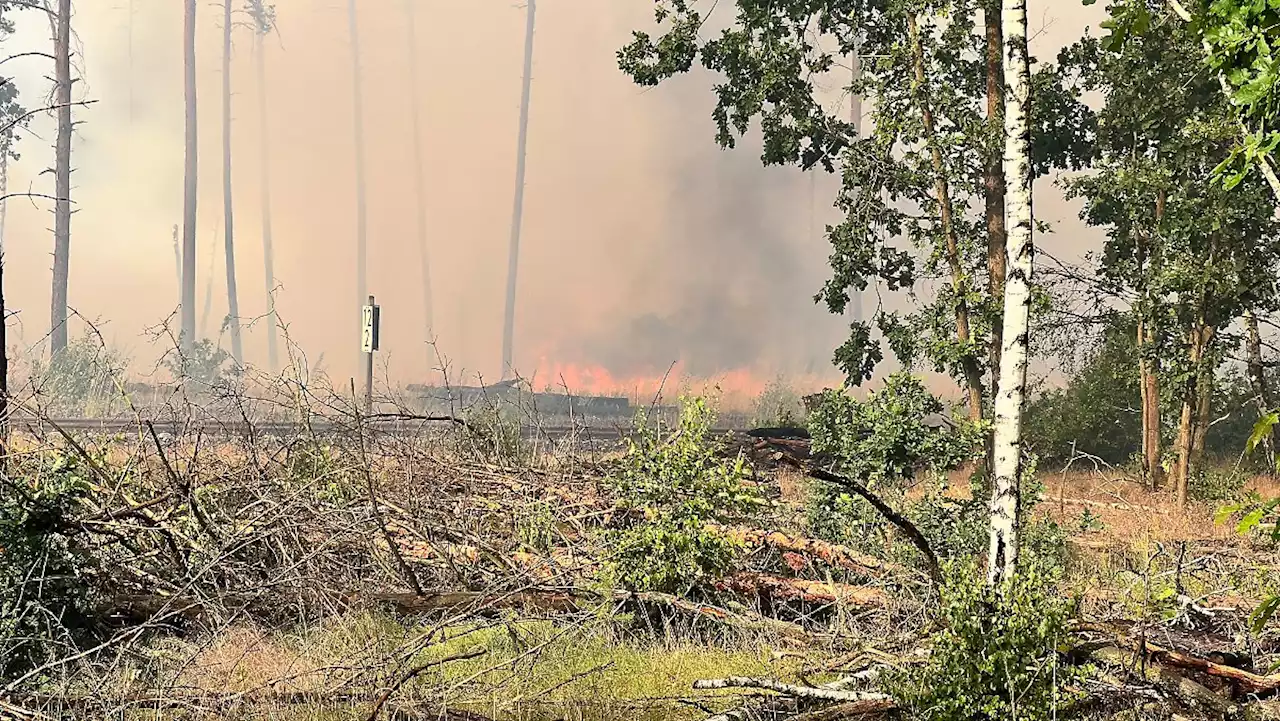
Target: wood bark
[
  {"x": 1148, "y": 366},
  {"x": 994, "y": 181},
  {"x": 968, "y": 363},
  {"x": 1195, "y": 400},
  {"x": 190, "y": 170},
  {"x": 517, "y": 212},
  {"x": 1003, "y": 554},
  {"x": 62, "y": 182},
  {"x": 419, "y": 182},
  {"x": 1258, "y": 383},
  {"x": 228, "y": 214},
  {"x": 1153, "y": 472},
  {"x": 268, "y": 251},
  {"x": 357, "y": 105}
]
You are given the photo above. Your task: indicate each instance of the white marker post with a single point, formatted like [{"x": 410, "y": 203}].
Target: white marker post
[{"x": 369, "y": 321}]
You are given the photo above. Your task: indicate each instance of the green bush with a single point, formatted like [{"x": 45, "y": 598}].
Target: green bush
[
  {"x": 44, "y": 588},
  {"x": 996, "y": 656},
  {"x": 778, "y": 405},
  {"x": 84, "y": 378},
  {"x": 882, "y": 442},
  {"x": 676, "y": 484}
]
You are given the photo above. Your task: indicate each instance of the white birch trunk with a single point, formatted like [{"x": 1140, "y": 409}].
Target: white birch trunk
[{"x": 1017, "y": 298}]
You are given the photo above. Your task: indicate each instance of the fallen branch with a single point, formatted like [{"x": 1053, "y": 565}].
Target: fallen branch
[
  {"x": 720, "y": 615},
  {"x": 1189, "y": 692},
  {"x": 799, "y": 589},
  {"x": 908, "y": 528},
  {"x": 833, "y": 553},
  {"x": 768, "y": 684},
  {"x": 1245, "y": 681},
  {"x": 417, "y": 671}
]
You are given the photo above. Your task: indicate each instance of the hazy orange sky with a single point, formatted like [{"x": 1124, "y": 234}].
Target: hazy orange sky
[{"x": 643, "y": 243}]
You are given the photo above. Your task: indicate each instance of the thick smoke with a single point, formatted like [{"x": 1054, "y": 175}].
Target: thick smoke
[{"x": 643, "y": 243}]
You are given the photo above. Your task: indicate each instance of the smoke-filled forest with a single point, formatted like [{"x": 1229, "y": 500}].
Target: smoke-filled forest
[{"x": 679, "y": 360}]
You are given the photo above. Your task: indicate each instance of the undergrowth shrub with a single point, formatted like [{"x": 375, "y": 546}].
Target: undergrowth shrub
[
  {"x": 884, "y": 442},
  {"x": 673, "y": 485},
  {"x": 778, "y": 405},
  {"x": 84, "y": 378},
  {"x": 44, "y": 585},
  {"x": 996, "y": 656}
]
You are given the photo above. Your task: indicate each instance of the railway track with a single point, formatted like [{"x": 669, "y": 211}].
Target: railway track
[{"x": 381, "y": 426}]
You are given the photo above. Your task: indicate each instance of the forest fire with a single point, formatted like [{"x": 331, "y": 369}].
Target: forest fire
[{"x": 737, "y": 388}]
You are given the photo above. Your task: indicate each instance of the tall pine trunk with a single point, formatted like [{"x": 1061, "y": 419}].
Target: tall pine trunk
[
  {"x": 419, "y": 182},
  {"x": 357, "y": 105},
  {"x": 62, "y": 171},
  {"x": 968, "y": 363},
  {"x": 190, "y": 169},
  {"x": 268, "y": 251},
  {"x": 1258, "y": 383},
  {"x": 517, "y": 211},
  {"x": 1003, "y": 555},
  {"x": 228, "y": 216}
]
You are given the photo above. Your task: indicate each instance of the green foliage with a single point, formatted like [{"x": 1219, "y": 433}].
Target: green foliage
[
  {"x": 44, "y": 592},
  {"x": 778, "y": 405},
  {"x": 768, "y": 61},
  {"x": 1098, "y": 411},
  {"x": 996, "y": 657},
  {"x": 1254, "y": 511},
  {"x": 85, "y": 378},
  {"x": 884, "y": 442},
  {"x": 204, "y": 363},
  {"x": 1217, "y": 486},
  {"x": 1236, "y": 40},
  {"x": 889, "y": 437},
  {"x": 677, "y": 484}
]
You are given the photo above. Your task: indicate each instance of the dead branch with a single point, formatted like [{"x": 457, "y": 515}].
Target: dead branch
[
  {"x": 799, "y": 589},
  {"x": 904, "y": 524},
  {"x": 851, "y": 709},
  {"x": 768, "y": 684},
  {"x": 835, "y": 554},
  {"x": 414, "y": 673}
]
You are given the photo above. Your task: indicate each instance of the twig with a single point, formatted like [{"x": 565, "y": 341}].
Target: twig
[{"x": 417, "y": 671}]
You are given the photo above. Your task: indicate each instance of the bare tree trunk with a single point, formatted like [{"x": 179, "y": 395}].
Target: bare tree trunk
[
  {"x": 188, "y": 333},
  {"x": 62, "y": 171},
  {"x": 4, "y": 374},
  {"x": 228, "y": 221},
  {"x": 1204, "y": 411},
  {"x": 357, "y": 104},
  {"x": 1150, "y": 385},
  {"x": 855, "y": 117},
  {"x": 517, "y": 212},
  {"x": 1193, "y": 421},
  {"x": 994, "y": 180},
  {"x": 969, "y": 364},
  {"x": 268, "y": 252},
  {"x": 1258, "y": 384},
  {"x": 419, "y": 183},
  {"x": 1003, "y": 558},
  {"x": 1182, "y": 472}
]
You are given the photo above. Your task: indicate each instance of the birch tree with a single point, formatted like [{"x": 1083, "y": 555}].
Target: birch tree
[{"x": 1007, "y": 461}]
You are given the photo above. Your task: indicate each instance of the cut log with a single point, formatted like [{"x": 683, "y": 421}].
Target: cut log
[{"x": 798, "y": 589}]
